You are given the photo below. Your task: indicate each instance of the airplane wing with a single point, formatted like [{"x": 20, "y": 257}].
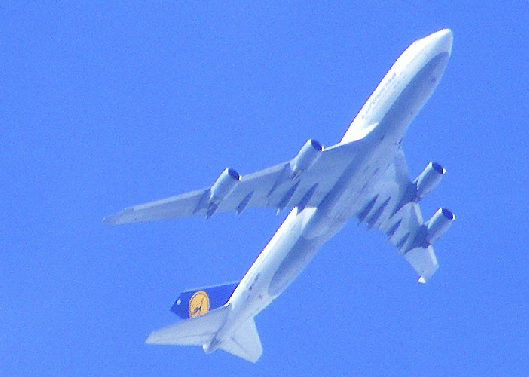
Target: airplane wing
[
  {"x": 392, "y": 206},
  {"x": 280, "y": 186}
]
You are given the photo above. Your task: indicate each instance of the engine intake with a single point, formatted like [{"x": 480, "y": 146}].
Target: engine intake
[
  {"x": 438, "y": 224},
  {"x": 224, "y": 185},
  {"x": 428, "y": 179},
  {"x": 306, "y": 157}
]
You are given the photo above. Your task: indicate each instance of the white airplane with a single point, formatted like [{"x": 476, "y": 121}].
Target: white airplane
[{"x": 364, "y": 176}]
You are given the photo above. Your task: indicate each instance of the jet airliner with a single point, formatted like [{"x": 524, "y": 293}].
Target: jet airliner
[{"x": 364, "y": 176}]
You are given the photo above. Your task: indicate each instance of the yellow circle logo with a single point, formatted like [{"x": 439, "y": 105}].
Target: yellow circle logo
[{"x": 199, "y": 304}]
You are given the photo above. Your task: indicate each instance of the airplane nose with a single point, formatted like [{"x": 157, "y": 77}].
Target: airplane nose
[{"x": 443, "y": 40}]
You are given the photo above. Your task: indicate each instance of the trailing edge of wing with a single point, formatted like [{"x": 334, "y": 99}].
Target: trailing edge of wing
[
  {"x": 387, "y": 207},
  {"x": 264, "y": 189},
  {"x": 175, "y": 206}
]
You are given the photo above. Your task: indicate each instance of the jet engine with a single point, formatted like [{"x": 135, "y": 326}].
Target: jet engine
[
  {"x": 224, "y": 184},
  {"x": 438, "y": 224},
  {"x": 428, "y": 179},
  {"x": 306, "y": 157}
]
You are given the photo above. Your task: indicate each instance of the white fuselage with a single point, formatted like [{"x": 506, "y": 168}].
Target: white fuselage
[{"x": 377, "y": 132}]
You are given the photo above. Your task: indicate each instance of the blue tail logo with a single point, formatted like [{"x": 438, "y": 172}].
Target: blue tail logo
[{"x": 197, "y": 302}]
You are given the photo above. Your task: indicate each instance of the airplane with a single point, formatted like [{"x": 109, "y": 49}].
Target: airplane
[{"x": 364, "y": 176}]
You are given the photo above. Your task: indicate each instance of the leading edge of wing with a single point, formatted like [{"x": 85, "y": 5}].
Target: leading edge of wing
[
  {"x": 389, "y": 207},
  {"x": 191, "y": 203},
  {"x": 174, "y": 206},
  {"x": 262, "y": 189},
  {"x": 270, "y": 189}
]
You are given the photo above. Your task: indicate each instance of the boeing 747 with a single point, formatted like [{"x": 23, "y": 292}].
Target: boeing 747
[{"x": 364, "y": 176}]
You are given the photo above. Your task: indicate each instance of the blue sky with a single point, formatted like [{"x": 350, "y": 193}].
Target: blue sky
[{"x": 110, "y": 104}]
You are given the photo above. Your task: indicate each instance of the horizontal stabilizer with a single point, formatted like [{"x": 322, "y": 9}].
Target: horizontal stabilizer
[
  {"x": 193, "y": 331},
  {"x": 244, "y": 342}
]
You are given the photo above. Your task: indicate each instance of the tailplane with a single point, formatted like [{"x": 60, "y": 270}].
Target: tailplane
[
  {"x": 193, "y": 331},
  {"x": 204, "y": 312},
  {"x": 244, "y": 342}
]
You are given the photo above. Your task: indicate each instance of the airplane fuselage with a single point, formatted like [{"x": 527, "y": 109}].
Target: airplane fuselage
[{"x": 379, "y": 129}]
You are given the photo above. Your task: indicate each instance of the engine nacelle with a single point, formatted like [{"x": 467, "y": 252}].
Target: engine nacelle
[
  {"x": 438, "y": 224},
  {"x": 224, "y": 184},
  {"x": 428, "y": 179},
  {"x": 306, "y": 157}
]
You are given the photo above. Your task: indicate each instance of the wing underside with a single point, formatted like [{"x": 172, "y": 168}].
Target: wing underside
[
  {"x": 389, "y": 203},
  {"x": 390, "y": 206},
  {"x": 268, "y": 188}
]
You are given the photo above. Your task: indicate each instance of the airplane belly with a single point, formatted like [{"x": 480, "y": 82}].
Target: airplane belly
[
  {"x": 294, "y": 262},
  {"x": 412, "y": 98},
  {"x": 364, "y": 177},
  {"x": 288, "y": 253},
  {"x": 399, "y": 97},
  {"x": 315, "y": 229},
  {"x": 251, "y": 296},
  {"x": 282, "y": 260},
  {"x": 303, "y": 233}
]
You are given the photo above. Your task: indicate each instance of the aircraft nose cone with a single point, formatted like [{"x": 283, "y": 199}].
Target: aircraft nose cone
[{"x": 442, "y": 40}]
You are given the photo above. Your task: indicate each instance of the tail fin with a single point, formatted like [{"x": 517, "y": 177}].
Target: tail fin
[
  {"x": 201, "y": 331},
  {"x": 204, "y": 313},
  {"x": 197, "y": 302}
]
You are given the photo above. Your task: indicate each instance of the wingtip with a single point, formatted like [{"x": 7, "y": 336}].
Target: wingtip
[
  {"x": 150, "y": 340},
  {"x": 125, "y": 216},
  {"x": 154, "y": 338},
  {"x": 109, "y": 220}
]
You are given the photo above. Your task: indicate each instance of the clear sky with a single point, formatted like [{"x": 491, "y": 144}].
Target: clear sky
[{"x": 109, "y": 104}]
